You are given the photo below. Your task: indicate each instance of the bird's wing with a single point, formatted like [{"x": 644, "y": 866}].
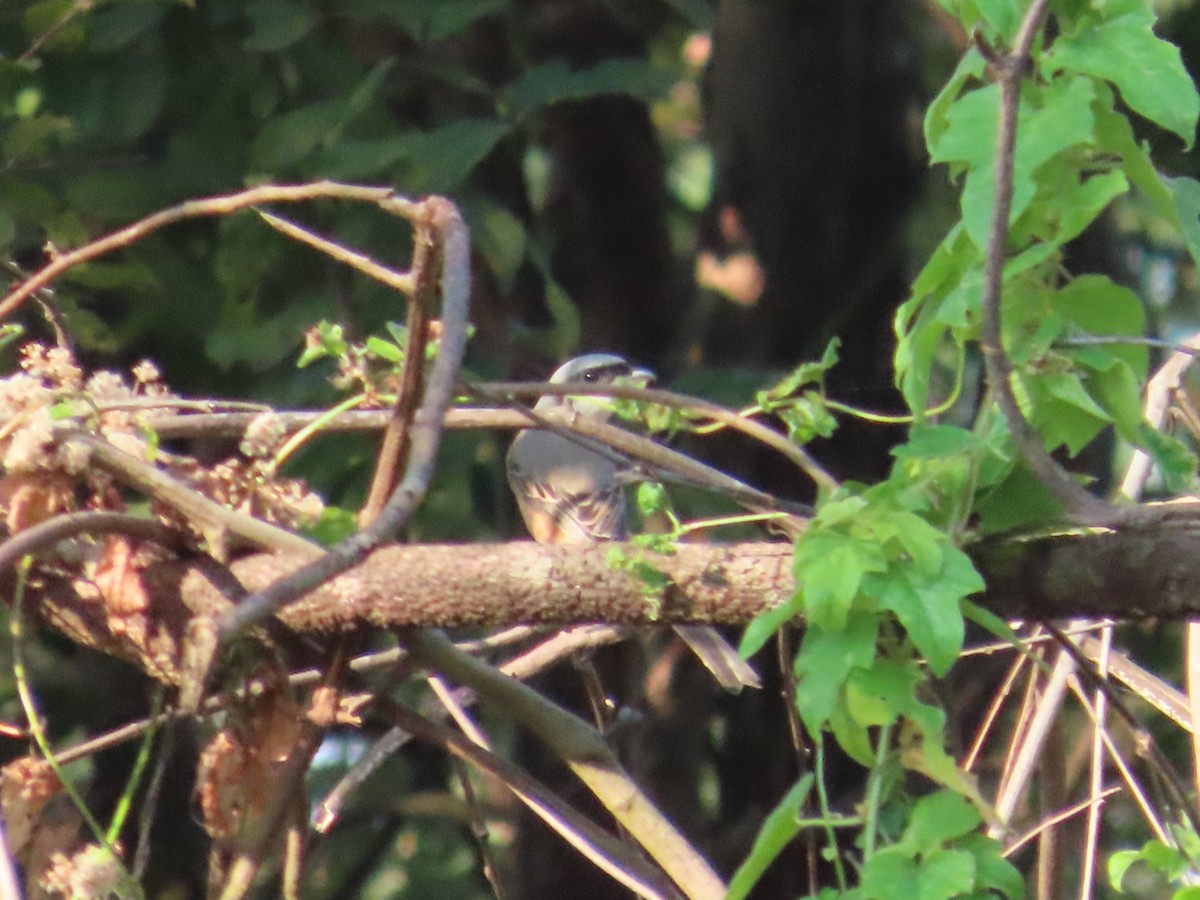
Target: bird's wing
[
  {"x": 582, "y": 517},
  {"x": 731, "y": 671}
]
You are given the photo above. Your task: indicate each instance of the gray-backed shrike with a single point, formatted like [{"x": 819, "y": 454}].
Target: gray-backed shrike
[{"x": 569, "y": 494}]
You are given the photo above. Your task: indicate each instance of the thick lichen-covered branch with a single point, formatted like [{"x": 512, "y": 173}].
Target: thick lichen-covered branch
[{"x": 1120, "y": 574}]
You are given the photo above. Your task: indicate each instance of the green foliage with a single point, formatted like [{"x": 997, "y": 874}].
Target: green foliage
[
  {"x": 1176, "y": 863},
  {"x": 783, "y": 824},
  {"x": 882, "y": 581},
  {"x": 110, "y": 111}
]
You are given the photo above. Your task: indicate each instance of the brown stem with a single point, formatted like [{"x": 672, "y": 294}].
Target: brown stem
[
  {"x": 1010, "y": 70},
  {"x": 425, "y": 436},
  {"x": 393, "y": 452}
]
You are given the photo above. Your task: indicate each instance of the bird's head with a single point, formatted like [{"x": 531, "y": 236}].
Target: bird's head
[{"x": 598, "y": 369}]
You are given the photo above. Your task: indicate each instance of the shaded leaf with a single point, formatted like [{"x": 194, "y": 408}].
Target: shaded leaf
[{"x": 780, "y": 826}]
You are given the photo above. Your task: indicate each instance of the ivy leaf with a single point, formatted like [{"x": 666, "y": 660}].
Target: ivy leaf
[
  {"x": 944, "y": 874},
  {"x": 1095, "y": 305},
  {"x": 1050, "y": 120},
  {"x": 1063, "y": 410},
  {"x": 1147, "y": 70},
  {"x": 891, "y": 875},
  {"x": 763, "y": 626},
  {"x": 829, "y": 567},
  {"x": 937, "y": 442},
  {"x": 780, "y": 826},
  {"x": 824, "y": 662},
  {"x": 937, "y": 819},
  {"x": 992, "y": 871},
  {"x": 937, "y": 120},
  {"x": 897, "y": 684},
  {"x": 928, "y": 610},
  {"x": 849, "y": 723},
  {"x": 1176, "y": 463}
]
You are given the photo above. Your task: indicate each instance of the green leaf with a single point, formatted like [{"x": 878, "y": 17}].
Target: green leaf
[
  {"x": 288, "y": 138},
  {"x": 944, "y": 874},
  {"x": 1176, "y": 463},
  {"x": 780, "y": 826},
  {"x": 891, "y": 875},
  {"x": 1185, "y": 197},
  {"x": 989, "y": 621},
  {"x": 1097, "y": 306},
  {"x": 1063, "y": 411},
  {"x": 803, "y": 375},
  {"x": 500, "y": 237},
  {"x": 992, "y": 871},
  {"x": 1147, "y": 70},
  {"x": 929, "y": 613},
  {"x": 763, "y": 627},
  {"x": 829, "y": 567},
  {"x": 106, "y": 276},
  {"x": 261, "y": 344},
  {"x": 897, "y": 684},
  {"x": 450, "y": 17},
  {"x": 554, "y": 82},
  {"x": 937, "y": 118},
  {"x": 936, "y": 442},
  {"x": 33, "y": 139},
  {"x": 294, "y": 135},
  {"x": 1017, "y": 499},
  {"x": 443, "y": 158},
  {"x": 824, "y": 662},
  {"x": 1050, "y": 120},
  {"x": 1167, "y": 861},
  {"x": 113, "y": 28},
  {"x": 652, "y": 498},
  {"x": 276, "y": 25},
  {"x": 850, "y": 724},
  {"x": 939, "y": 818},
  {"x": 385, "y": 350}
]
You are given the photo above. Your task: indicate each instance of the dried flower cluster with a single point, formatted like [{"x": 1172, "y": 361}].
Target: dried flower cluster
[{"x": 42, "y": 475}]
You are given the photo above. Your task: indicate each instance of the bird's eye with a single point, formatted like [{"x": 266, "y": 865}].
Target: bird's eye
[{"x": 589, "y": 375}]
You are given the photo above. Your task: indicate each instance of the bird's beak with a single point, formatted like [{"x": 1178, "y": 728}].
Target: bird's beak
[{"x": 642, "y": 377}]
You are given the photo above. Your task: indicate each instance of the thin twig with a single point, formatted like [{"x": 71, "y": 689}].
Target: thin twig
[
  {"x": 166, "y": 746},
  {"x": 1058, "y": 818},
  {"x": 398, "y": 281},
  {"x": 1159, "y": 391},
  {"x": 1096, "y": 780},
  {"x": 467, "y": 726},
  {"x": 44, "y": 535},
  {"x": 607, "y": 854},
  {"x": 701, "y": 408},
  {"x": 216, "y": 521},
  {"x": 537, "y": 659},
  {"x": 585, "y": 752},
  {"x": 1111, "y": 340},
  {"x": 393, "y": 451},
  {"x": 425, "y": 437},
  {"x": 659, "y": 461},
  {"x": 221, "y": 205}
]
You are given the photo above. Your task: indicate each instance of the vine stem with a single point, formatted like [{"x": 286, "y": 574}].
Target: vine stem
[{"x": 1010, "y": 69}]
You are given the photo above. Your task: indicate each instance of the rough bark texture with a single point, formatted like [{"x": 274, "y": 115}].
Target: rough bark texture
[{"x": 1135, "y": 573}]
